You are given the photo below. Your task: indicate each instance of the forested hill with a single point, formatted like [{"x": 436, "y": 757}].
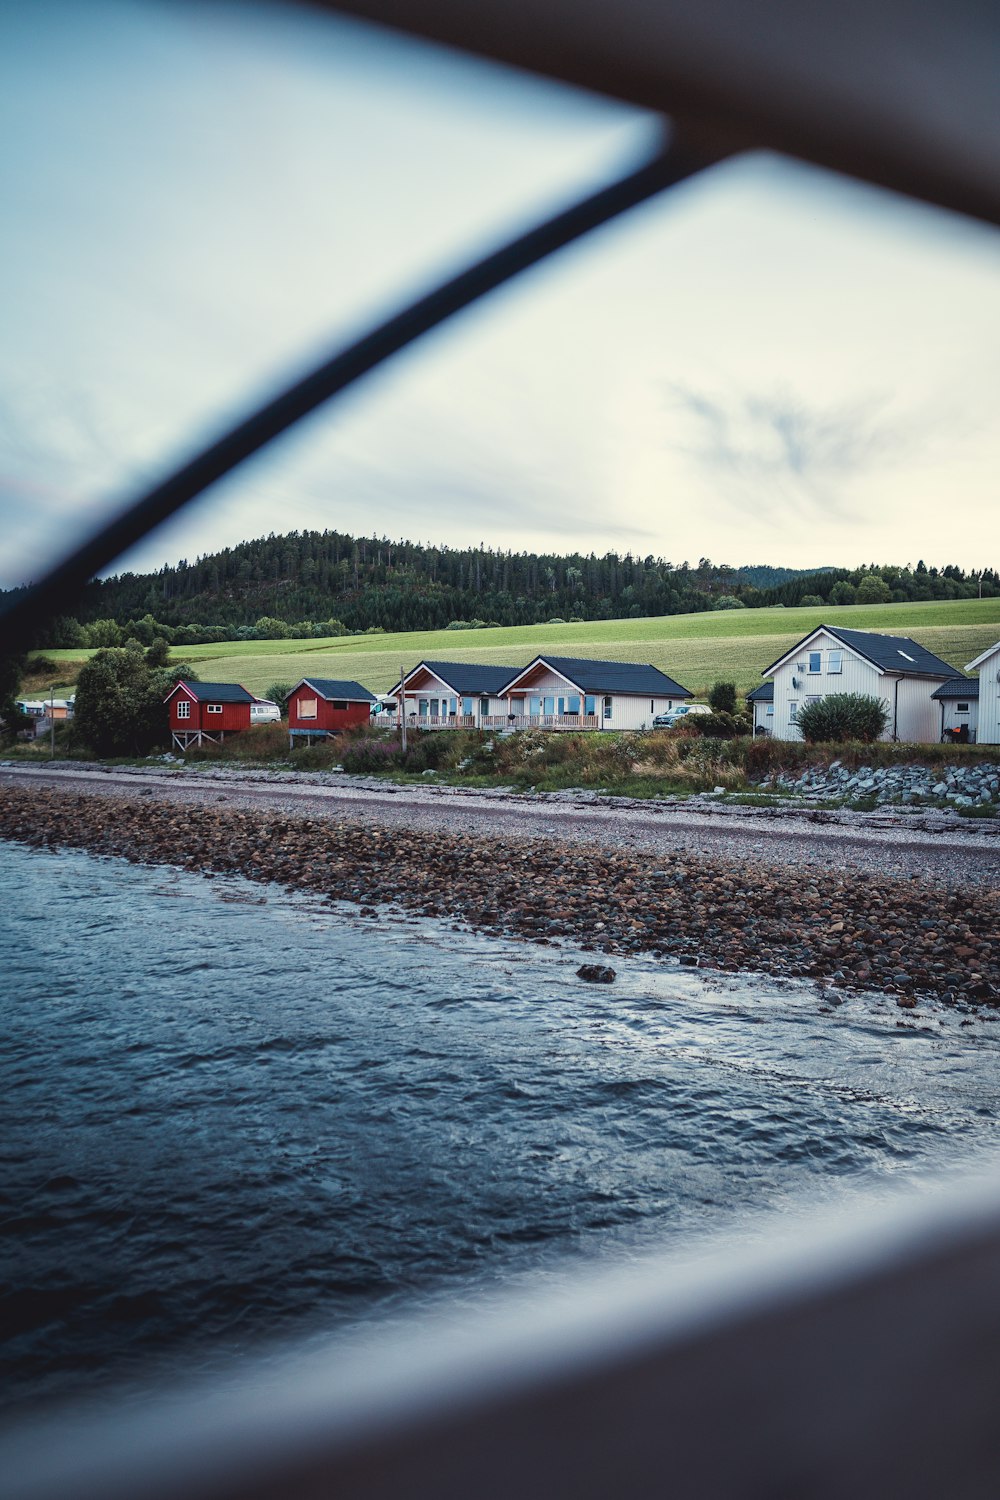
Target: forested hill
[{"x": 325, "y": 583}]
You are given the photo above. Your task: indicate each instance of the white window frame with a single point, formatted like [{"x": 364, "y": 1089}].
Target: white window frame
[
  {"x": 835, "y": 663},
  {"x": 817, "y": 657},
  {"x": 793, "y": 709},
  {"x": 213, "y": 708},
  {"x": 961, "y": 708},
  {"x": 184, "y": 708},
  {"x": 607, "y": 707}
]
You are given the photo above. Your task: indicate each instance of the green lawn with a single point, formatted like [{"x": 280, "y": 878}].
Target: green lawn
[{"x": 697, "y": 650}]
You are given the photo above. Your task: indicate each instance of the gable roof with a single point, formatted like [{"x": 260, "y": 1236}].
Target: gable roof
[
  {"x": 332, "y": 687},
  {"x": 970, "y": 666},
  {"x": 958, "y": 687},
  {"x": 466, "y": 678},
  {"x": 890, "y": 653},
  {"x": 762, "y": 694},
  {"x": 592, "y": 676},
  {"x": 214, "y": 692}
]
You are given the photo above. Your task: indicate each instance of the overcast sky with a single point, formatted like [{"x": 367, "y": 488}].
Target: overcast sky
[{"x": 768, "y": 365}]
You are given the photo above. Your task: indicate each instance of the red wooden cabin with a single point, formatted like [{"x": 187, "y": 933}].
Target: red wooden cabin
[
  {"x": 321, "y": 706},
  {"x": 202, "y": 711}
]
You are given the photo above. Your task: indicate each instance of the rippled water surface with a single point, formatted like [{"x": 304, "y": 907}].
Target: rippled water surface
[{"x": 229, "y": 1112}]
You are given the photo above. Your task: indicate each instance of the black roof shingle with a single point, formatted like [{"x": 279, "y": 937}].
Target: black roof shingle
[
  {"x": 615, "y": 676},
  {"x": 893, "y": 653},
  {"x": 331, "y": 688},
  {"x": 958, "y": 687},
  {"x": 470, "y": 678},
  {"x": 216, "y": 692}
]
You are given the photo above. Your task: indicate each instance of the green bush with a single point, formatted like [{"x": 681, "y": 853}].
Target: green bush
[
  {"x": 843, "y": 716},
  {"x": 723, "y": 697},
  {"x": 716, "y": 726}
]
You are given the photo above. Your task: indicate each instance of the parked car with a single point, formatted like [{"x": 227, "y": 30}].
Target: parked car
[
  {"x": 667, "y": 721},
  {"x": 265, "y": 712}
]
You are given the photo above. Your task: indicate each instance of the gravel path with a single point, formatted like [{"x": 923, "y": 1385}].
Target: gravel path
[{"x": 935, "y": 846}]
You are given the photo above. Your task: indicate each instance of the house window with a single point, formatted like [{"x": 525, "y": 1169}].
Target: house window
[
  {"x": 815, "y": 661},
  {"x": 835, "y": 661},
  {"x": 816, "y": 699},
  {"x": 961, "y": 708},
  {"x": 484, "y": 706},
  {"x": 590, "y": 705},
  {"x": 769, "y": 711},
  {"x": 340, "y": 705},
  {"x": 422, "y": 707},
  {"x": 213, "y": 708},
  {"x": 607, "y": 708},
  {"x": 573, "y": 704},
  {"x": 453, "y": 706},
  {"x": 793, "y": 710},
  {"x": 467, "y": 705},
  {"x": 307, "y": 708},
  {"x": 183, "y": 709}
]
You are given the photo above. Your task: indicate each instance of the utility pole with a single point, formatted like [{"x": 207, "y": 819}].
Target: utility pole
[{"x": 402, "y": 708}]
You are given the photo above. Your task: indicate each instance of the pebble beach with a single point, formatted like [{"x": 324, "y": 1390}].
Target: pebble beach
[{"x": 906, "y": 937}]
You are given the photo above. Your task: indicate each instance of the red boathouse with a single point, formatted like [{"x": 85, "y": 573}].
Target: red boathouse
[
  {"x": 320, "y": 706},
  {"x": 202, "y": 711}
]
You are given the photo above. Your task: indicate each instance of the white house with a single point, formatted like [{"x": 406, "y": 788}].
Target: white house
[
  {"x": 891, "y": 667},
  {"x": 562, "y": 692},
  {"x": 959, "y": 700},
  {"x": 453, "y": 695},
  {"x": 988, "y": 667}
]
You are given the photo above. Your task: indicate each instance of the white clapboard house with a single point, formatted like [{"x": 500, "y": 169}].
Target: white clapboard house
[
  {"x": 987, "y": 664},
  {"x": 562, "y": 692},
  {"x": 450, "y": 695},
  {"x": 892, "y": 667}
]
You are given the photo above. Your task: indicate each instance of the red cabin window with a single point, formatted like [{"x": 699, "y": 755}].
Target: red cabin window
[
  {"x": 183, "y": 709},
  {"x": 214, "y": 708},
  {"x": 339, "y": 706},
  {"x": 307, "y": 708}
]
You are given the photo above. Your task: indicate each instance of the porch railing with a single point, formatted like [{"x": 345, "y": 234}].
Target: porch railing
[{"x": 541, "y": 721}]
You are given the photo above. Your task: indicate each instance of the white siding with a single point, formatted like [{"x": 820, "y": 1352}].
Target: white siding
[
  {"x": 989, "y": 699},
  {"x": 918, "y": 715},
  {"x": 628, "y": 710},
  {"x": 952, "y": 719},
  {"x": 763, "y": 716},
  {"x": 856, "y": 676}
]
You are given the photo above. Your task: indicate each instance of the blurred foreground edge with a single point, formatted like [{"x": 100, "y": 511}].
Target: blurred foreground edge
[{"x": 852, "y": 1354}]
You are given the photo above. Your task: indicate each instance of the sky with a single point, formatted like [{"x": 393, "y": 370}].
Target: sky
[{"x": 769, "y": 364}]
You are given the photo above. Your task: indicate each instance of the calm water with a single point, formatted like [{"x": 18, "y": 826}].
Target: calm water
[{"x": 230, "y": 1113}]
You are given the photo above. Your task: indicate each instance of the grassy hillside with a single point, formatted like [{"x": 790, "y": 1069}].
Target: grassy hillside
[{"x": 698, "y": 649}]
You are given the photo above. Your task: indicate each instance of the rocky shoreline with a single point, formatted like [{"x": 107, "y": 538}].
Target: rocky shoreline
[{"x": 903, "y": 937}]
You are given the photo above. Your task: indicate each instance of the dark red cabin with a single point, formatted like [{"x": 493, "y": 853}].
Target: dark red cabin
[
  {"x": 320, "y": 706},
  {"x": 207, "y": 711}
]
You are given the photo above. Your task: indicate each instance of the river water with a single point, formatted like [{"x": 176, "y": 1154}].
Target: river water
[{"x": 232, "y": 1113}]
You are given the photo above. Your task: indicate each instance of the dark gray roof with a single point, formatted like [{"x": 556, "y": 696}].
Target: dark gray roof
[
  {"x": 615, "y": 676},
  {"x": 762, "y": 694},
  {"x": 958, "y": 687},
  {"x": 469, "y": 678},
  {"x": 331, "y": 687},
  {"x": 893, "y": 653},
  {"x": 216, "y": 692}
]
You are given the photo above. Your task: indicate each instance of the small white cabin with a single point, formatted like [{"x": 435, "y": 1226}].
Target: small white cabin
[
  {"x": 891, "y": 667},
  {"x": 959, "y": 701},
  {"x": 988, "y": 667},
  {"x": 761, "y": 705}
]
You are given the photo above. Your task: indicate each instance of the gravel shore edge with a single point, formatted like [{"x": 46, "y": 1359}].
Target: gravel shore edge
[{"x": 903, "y": 937}]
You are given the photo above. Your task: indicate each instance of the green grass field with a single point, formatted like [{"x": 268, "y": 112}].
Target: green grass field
[{"x": 697, "y": 650}]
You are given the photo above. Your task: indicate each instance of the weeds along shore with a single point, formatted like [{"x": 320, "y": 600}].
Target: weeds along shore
[{"x": 904, "y": 937}]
